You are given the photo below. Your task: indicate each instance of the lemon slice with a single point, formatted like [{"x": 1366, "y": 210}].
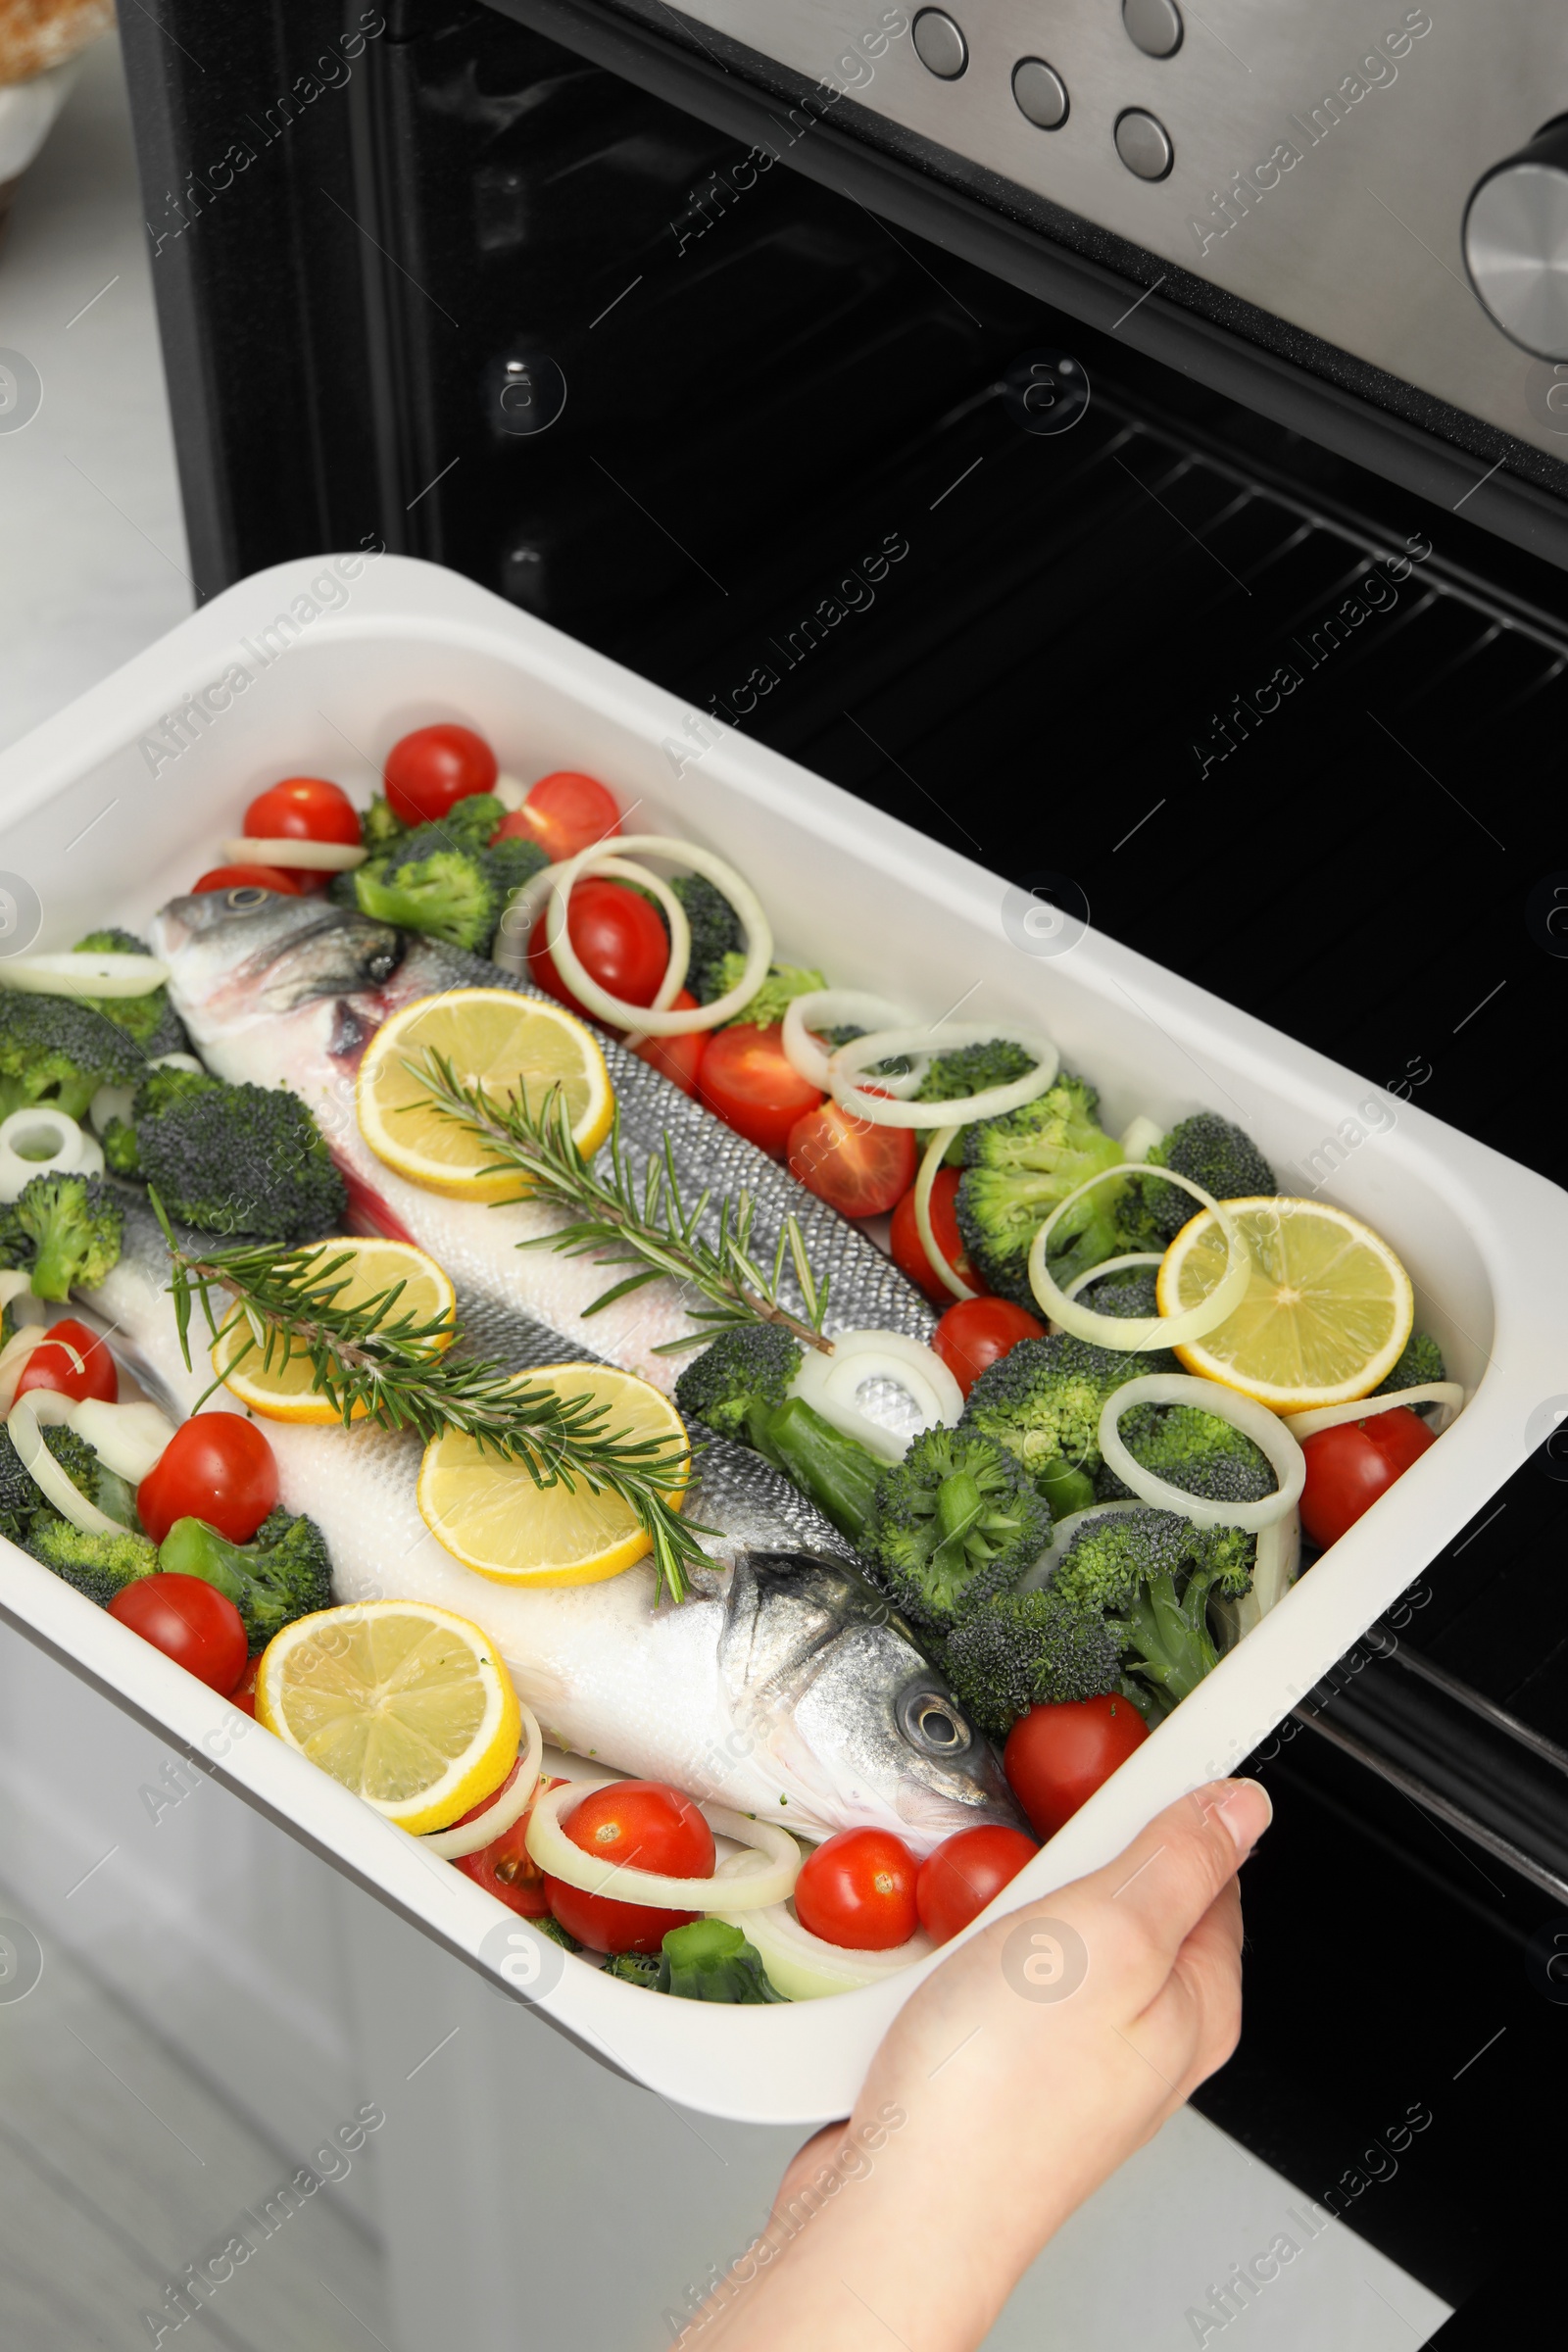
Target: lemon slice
[
  {"x": 1326, "y": 1312},
  {"x": 489, "y": 1513},
  {"x": 408, "y": 1705},
  {"x": 284, "y": 1392},
  {"x": 494, "y": 1038}
]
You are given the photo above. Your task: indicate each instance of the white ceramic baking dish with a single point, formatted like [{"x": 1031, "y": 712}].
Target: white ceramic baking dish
[{"x": 319, "y": 667}]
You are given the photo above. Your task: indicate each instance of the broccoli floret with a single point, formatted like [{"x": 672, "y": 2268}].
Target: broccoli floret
[
  {"x": 471, "y": 823},
  {"x": 743, "y": 1371},
  {"x": 1029, "y": 1649},
  {"x": 21, "y": 1499},
  {"x": 636, "y": 1968},
  {"x": 99, "y": 1566},
  {"x": 1151, "y": 1573},
  {"x": 122, "y": 1156},
  {"x": 1210, "y": 1152},
  {"x": 1043, "y": 1398},
  {"x": 379, "y": 828},
  {"x": 1420, "y": 1363},
  {"x": 1194, "y": 1449},
  {"x": 957, "y": 1520},
  {"x": 1129, "y": 1292},
  {"x": 58, "y": 1051},
  {"x": 431, "y": 884},
  {"x": 149, "y": 1019},
  {"x": 716, "y": 930},
  {"x": 970, "y": 1069},
  {"x": 282, "y": 1573},
  {"x": 1018, "y": 1168},
  {"x": 235, "y": 1159},
  {"x": 783, "y": 984},
  {"x": 74, "y": 1224},
  {"x": 513, "y": 860},
  {"x": 709, "y": 1960}
]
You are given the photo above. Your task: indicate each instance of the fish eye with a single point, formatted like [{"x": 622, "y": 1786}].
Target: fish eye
[
  {"x": 930, "y": 1721},
  {"x": 248, "y": 897}
]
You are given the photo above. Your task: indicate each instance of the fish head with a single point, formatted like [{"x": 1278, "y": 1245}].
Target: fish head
[
  {"x": 824, "y": 1671},
  {"x": 251, "y": 955}
]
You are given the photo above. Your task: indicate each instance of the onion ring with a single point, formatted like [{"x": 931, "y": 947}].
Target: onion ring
[
  {"x": 87, "y": 972},
  {"x": 1133, "y": 1333},
  {"x": 1447, "y": 1393},
  {"x": 801, "y": 1965},
  {"x": 852, "y": 1062},
  {"x": 936, "y": 1152},
  {"x": 778, "y": 1860},
  {"x": 305, "y": 856},
  {"x": 472, "y": 1836},
  {"x": 1113, "y": 1265},
  {"x": 37, "y": 1459},
  {"x": 818, "y": 1010},
  {"x": 1278, "y": 1556},
  {"x": 1253, "y": 1420},
  {"x": 829, "y": 1385},
  {"x": 128, "y": 1438},
  {"x": 1143, "y": 1134}
]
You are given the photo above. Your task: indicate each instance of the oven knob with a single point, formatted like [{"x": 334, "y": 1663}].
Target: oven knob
[
  {"x": 1517, "y": 244},
  {"x": 938, "y": 44}
]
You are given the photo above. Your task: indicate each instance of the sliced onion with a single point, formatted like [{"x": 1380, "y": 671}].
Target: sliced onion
[
  {"x": 105, "y": 972},
  {"x": 1279, "y": 1554},
  {"x": 1035, "y": 1579},
  {"x": 508, "y": 1809},
  {"x": 128, "y": 1438},
  {"x": 1141, "y": 1138},
  {"x": 12, "y": 1357},
  {"x": 1447, "y": 1393},
  {"x": 830, "y": 1385},
  {"x": 767, "y": 1879},
  {"x": 37, "y": 1459},
  {"x": 314, "y": 857},
  {"x": 555, "y": 882},
  {"x": 852, "y": 1062},
  {"x": 1136, "y": 1332},
  {"x": 936, "y": 1152},
  {"x": 839, "y": 1008},
  {"x": 1113, "y": 1265},
  {"x": 509, "y": 791},
  {"x": 111, "y": 1102},
  {"x": 801, "y": 1965},
  {"x": 14, "y": 1283},
  {"x": 65, "y": 1150},
  {"x": 1253, "y": 1420}
]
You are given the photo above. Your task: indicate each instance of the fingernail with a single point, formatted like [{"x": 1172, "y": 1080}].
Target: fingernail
[{"x": 1247, "y": 1809}]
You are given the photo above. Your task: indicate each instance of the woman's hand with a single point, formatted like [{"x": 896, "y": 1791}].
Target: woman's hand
[{"x": 1016, "y": 2081}]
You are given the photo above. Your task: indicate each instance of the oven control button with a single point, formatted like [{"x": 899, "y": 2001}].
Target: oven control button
[
  {"x": 938, "y": 44},
  {"x": 1153, "y": 25},
  {"x": 1042, "y": 95},
  {"x": 1144, "y": 144},
  {"x": 1517, "y": 244}
]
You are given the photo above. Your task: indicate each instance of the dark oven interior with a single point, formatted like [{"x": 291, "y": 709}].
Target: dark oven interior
[{"x": 1285, "y": 726}]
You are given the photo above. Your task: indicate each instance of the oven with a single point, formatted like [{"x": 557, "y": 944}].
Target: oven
[{"x": 1132, "y": 446}]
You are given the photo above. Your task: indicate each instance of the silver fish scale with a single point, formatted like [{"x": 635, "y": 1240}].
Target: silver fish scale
[{"x": 865, "y": 1289}]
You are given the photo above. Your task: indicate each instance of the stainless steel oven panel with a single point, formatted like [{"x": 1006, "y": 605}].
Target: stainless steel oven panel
[{"x": 1324, "y": 189}]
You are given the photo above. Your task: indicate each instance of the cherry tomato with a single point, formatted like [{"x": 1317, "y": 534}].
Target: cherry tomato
[
  {"x": 909, "y": 1254},
  {"x": 1058, "y": 1756},
  {"x": 975, "y": 1332},
  {"x": 958, "y": 1879},
  {"x": 1350, "y": 1466},
  {"x": 430, "y": 770},
  {"x": 619, "y": 939},
  {"x": 73, "y": 1360},
  {"x": 680, "y": 1059},
  {"x": 505, "y": 1868},
  {"x": 217, "y": 1467},
  {"x": 247, "y": 877},
  {"x": 243, "y": 1695},
  {"x": 748, "y": 1080},
  {"x": 565, "y": 813},
  {"x": 190, "y": 1621},
  {"x": 857, "y": 1890},
  {"x": 303, "y": 809},
  {"x": 652, "y": 1827},
  {"x": 859, "y": 1168}
]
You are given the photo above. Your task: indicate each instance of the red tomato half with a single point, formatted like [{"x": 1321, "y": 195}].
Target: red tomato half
[
  {"x": 190, "y": 1621},
  {"x": 975, "y": 1332},
  {"x": 910, "y": 1256},
  {"x": 968, "y": 1869},
  {"x": 680, "y": 1059},
  {"x": 857, "y": 1889},
  {"x": 73, "y": 1360},
  {"x": 619, "y": 939},
  {"x": 217, "y": 1467},
  {"x": 505, "y": 1868},
  {"x": 247, "y": 877},
  {"x": 1058, "y": 1756},
  {"x": 650, "y": 1826},
  {"x": 303, "y": 809},
  {"x": 1350, "y": 1466},
  {"x": 565, "y": 813},
  {"x": 748, "y": 1080},
  {"x": 430, "y": 770},
  {"x": 854, "y": 1165}
]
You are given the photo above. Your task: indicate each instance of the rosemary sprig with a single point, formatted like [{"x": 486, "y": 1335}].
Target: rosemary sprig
[
  {"x": 375, "y": 1359},
  {"x": 655, "y": 1232}
]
